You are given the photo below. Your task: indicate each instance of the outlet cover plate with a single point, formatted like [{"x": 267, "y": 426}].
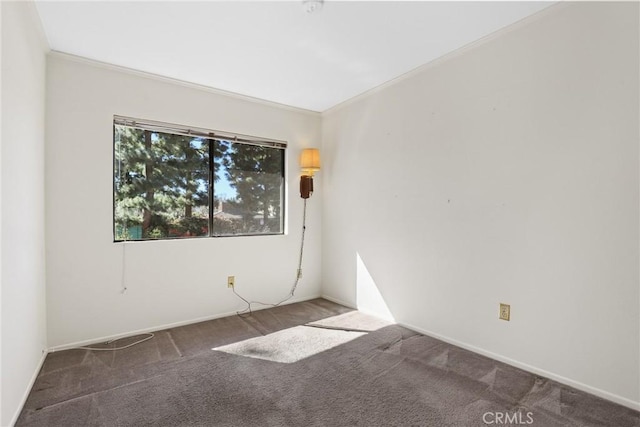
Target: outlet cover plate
[{"x": 505, "y": 312}]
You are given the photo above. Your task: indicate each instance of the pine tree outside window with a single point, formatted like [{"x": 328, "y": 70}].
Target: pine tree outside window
[{"x": 173, "y": 182}]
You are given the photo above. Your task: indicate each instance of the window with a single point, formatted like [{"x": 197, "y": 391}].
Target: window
[{"x": 176, "y": 182}]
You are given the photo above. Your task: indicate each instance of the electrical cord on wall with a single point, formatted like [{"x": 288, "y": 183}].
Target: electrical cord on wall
[
  {"x": 123, "y": 283},
  {"x": 247, "y": 311},
  {"x": 125, "y": 228},
  {"x": 123, "y": 290}
]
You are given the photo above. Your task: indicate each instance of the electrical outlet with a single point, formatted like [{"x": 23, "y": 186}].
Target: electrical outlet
[
  {"x": 231, "y": 281},
  {"x": 505, "y": 312}
]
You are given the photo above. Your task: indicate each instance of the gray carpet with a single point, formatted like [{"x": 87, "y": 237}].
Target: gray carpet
[{"x": 389, "y": 376}]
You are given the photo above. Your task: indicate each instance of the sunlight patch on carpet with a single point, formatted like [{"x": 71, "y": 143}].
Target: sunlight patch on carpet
[
  {"x": 290, "y": 345},
  {"x": 354, "y": 320}
]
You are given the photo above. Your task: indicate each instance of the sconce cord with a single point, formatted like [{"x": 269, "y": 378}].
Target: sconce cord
[{"x": 248, "y": 311}]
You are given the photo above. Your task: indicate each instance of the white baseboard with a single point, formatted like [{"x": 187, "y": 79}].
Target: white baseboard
[
  {"x": 566, "y": 381},
  {"x": 337, "y": 301},
  {"x": 14, "y": 419},
  {"x": 166, "y": 326}
]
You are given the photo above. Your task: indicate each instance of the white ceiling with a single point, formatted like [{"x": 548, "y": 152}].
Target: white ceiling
[{"x": 275, "y": 51}]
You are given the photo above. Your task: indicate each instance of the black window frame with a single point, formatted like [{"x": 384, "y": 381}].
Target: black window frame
[{"x": 211, "y": 137}]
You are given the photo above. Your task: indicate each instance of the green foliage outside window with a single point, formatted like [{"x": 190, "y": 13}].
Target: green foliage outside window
[{"x": 165, "y": 186}]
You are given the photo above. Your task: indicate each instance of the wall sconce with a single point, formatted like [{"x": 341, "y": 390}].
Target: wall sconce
[{"x": 309, "y": 163}]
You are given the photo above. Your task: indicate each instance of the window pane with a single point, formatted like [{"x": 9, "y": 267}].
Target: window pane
[
  {"x": 160, "y": 185},
  {"x": 163, "y": 188},
  {"x": 248, "y": 189}
]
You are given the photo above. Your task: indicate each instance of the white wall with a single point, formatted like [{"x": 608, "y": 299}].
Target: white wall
[
  {"x": 167, "y": 281},
  {"x": 22, "y": 230},
  {"x": 506, "y": 172},
  {"x": 1, "y": 416}
]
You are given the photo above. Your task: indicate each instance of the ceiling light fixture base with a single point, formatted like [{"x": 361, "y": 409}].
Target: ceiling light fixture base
[{"x": 312, "y": 6}]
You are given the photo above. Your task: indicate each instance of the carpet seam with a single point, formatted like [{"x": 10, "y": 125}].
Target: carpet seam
[
  {"x": 174, "y": 343},
  {"x": 95, "y": 393}
]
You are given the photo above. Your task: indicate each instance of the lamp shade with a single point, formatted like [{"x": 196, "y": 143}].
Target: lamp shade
[{"x": 310, "y": 160}]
